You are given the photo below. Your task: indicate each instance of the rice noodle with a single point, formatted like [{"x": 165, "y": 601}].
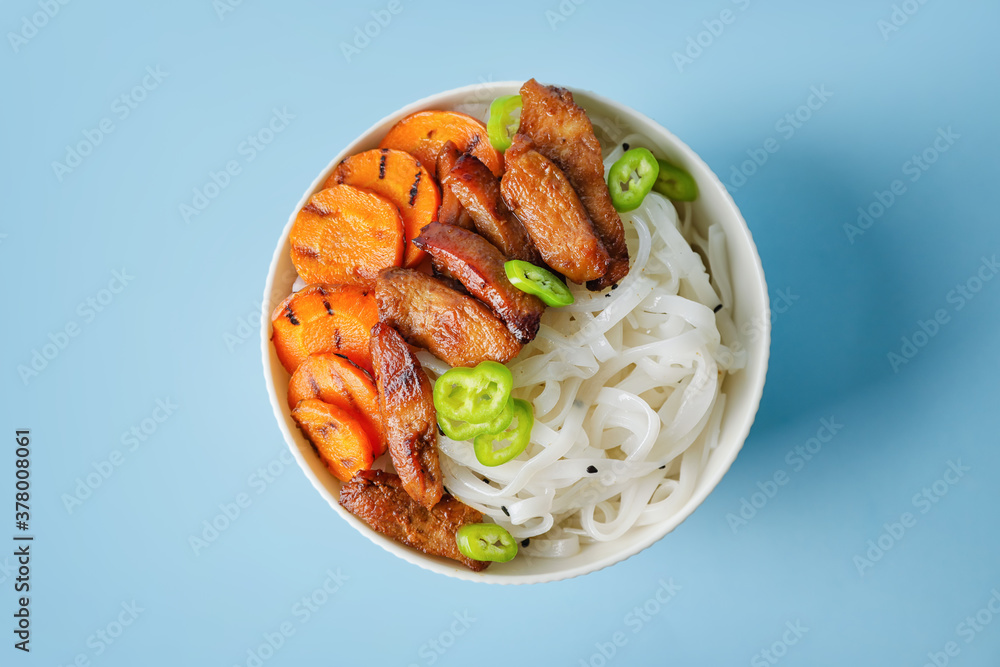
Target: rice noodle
[{"x": 626, "y": 387}]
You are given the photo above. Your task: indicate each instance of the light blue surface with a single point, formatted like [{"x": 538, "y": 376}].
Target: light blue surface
[{"x": 176, "y": 332}]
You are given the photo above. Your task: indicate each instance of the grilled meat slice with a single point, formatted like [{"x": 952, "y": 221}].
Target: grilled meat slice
[
  {"x": 562, "y": 132},
  {"x": 454, "y": 327},
  {"x": 451, "y": 211},
  {"x": 378, "y": 498},
  {"x": 478, "y": 265},
  {"x": 541, "y": 196},
  {"x": 407, "y": 405},
  {"x": 479, "y": 191}
]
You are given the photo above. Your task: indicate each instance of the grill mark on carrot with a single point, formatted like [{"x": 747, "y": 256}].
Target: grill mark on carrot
[
  {"x": 314, "y": 386},
  {"x": 414, "y": 188},
  {"x": 381, "y": 164},
  {"x": 312, "y": 208},
  {"x": 472, "y": 143},
  {"x": 344, "y": 390},
  {"x": 336, "y": 338},
  {"x": 339, "y": 176},
  {"x": 326, "y": 304},
  {"x": 291, "y": 316},
  {"x": 304, "y": 251}
]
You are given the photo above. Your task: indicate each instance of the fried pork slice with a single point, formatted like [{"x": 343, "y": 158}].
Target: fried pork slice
[
  {"x": 451, "y": 211},
  {"x": 407, "y": 404},
  {"x": 455, "y": 328},
  {"x": 478, "y": 265},
  {"x": 542, "y": 198},
  {"x": 378, "y": 498},
  {"x": 479, "y": 191},
  {"x": 562, "y": 132}
]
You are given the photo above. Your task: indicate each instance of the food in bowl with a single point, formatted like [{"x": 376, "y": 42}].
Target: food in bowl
[{"x": 457, "y": 247}]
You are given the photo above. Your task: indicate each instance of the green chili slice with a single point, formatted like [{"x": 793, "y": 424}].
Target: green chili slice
[
  {"x": 518, "y": 435},
  {"x": 474, "y": 395},
  {"x": 486, "y": 541},
  {"x": 631, "y": 178},
  {"x": 675, "y": 183},
  {"x": 532, "y": 279},
  {"x": 462, "y": 430},
  {"x": 505, "y": 118}
]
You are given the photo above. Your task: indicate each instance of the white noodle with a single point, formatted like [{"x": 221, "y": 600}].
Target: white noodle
[{"x": 626, "y": 387}]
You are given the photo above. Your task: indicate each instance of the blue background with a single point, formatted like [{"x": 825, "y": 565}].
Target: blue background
[{"x": 178, "y": 332}]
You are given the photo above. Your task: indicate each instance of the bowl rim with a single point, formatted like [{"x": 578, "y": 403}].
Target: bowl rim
[{"x": 443, "y": 566}]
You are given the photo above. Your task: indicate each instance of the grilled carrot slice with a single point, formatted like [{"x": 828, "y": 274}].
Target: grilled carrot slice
[
  {"x": 337, "y": 435},
  {"x": 346, "y": 235},
  {"x": 335, "y": 380},
  {"x": 400, "y": 178},
  {"x": 324, "y": 318},
  {"x": 425, "y": 132}
]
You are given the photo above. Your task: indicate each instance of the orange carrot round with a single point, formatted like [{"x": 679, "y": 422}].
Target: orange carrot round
[
  {"x": 346, "y": 235},
  {"x": 325, "y": 318},
  {"x": 338, "y": 436},
  {"x": 402, "y": 180},
  {"x": 424, "y": 133},
  {"x": 335, "y": 380}
]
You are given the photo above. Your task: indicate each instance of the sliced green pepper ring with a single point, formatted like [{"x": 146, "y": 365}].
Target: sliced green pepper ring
[
  {"x": 519, "y": 436},
  {"x": 460, "y": 430},
  {"x": 532, "y": 279},
  {"x": 675, "y": 183},
  {"x": 474, "y": 395},
  {"x": 505, "y": 118},
  {"x": 486, "y": 541},
  {"x": 631, "y": 178}
]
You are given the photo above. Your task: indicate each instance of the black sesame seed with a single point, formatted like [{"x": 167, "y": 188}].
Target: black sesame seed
[
  {"x": 486, "y": 479},
  {"x": 717, "y": 308},
  {"x": 525, "y": 542},
  {"x": 504, "y": 508},
  {"x": 625, "y": 147},
  {"x": 663, "y": 467},
  {"x": 591, "y": 469}
]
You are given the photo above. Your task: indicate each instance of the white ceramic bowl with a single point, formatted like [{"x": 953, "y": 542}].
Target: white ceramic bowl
[{"x": 743, "y": 389}]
